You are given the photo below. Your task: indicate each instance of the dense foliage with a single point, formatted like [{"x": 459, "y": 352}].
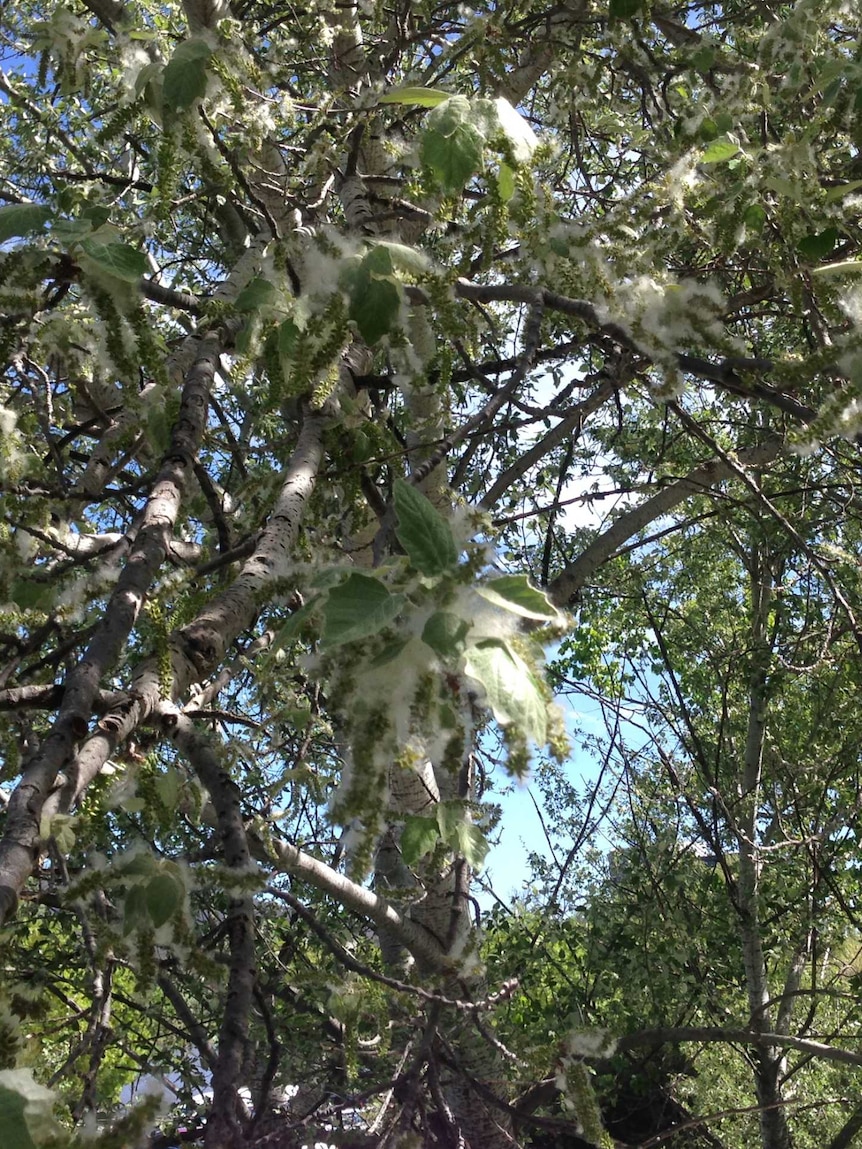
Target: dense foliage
[{"x": 357, "y": 359}]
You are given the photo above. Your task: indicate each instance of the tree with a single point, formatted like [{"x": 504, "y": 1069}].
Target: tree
[{"x": 314, "y": 325}]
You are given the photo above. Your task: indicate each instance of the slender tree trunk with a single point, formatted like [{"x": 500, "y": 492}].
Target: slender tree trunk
[{"x": 769, "y": 1060}]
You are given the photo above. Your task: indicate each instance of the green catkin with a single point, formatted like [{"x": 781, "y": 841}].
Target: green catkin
[
  {"x": 112, "y": 321},
  {"x": 117, "y": 123}
]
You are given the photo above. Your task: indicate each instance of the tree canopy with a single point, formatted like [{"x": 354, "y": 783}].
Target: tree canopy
[{"x": 376, "y": 379}]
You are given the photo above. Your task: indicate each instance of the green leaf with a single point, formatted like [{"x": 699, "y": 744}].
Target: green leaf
[
  {"x": 419, "y": 837},
  {"x": 97, "y": 215},
  {"x": 449, "y": 813},
  {"x": 817, "y": 247},
  {"x": 374, "y": 307},
  {"x": 843, "y": 266},
  {"x": 445, "y": 632},
  {"x": 624, "y": 9},
  {"x": 288, "y": 333},
  {"x": 375, "y": 297},
  {"x": 505, "y": 183},
  {"x": 185, "y": 75},
  {"x": 359, "y": 608},
  {"x": 389, "y": 652},
  {"x": 18, "y": 220},
  {"x": 719, "y": 151},
  {"x": 29, "y": 595},
  {"x": 59, "y": 827},
  {"x": 423, "y": 97},
  {"x": 423, "y": 532},
  {"x": 402, "y": 255},
  {"x": 135, "y": 913},
  {"x": 510, "y": 689},
  {"x": 138, "y": 865},
  {"x": 703, "y": 59},
  {"x": 26, "y": 1110},
  {"x": 842, "y": 190},
  {"x": 470, "y": 843},
  {"x": 168, "y": 787},
  {"x": 256, "y": 294},
  {"x": 16, "y": 1135},
  {"x": 117, "y": 259},
  {"x": 452, "y": 146},
  {"x": 164, "y": 896},
  {"x": 514, "y": 593},
  {"x": 754, "y": 217}
]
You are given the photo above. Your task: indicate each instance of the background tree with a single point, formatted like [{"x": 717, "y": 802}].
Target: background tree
[{"x": 314, "y": 325}]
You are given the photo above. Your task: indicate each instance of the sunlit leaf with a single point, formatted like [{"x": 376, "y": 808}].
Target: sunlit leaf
[
  {"x": 185, "y": 75},
  {"x": 419, "y": 836},
  {"x": 510, "y": 689},
  {"x": 423, "y": 532},
  {"x": 117, "y": 259},
  {"x": 452, "y": 146},
  {"x": 445, "y": 632},
  {"x": 360, "y": 607},
  {"x": 255, "y": 295},
  {"x": 423, "y": 97},
  {"x": 18, "y": 220},
  {"x": 719, "y": 151},
  {"x": 514, "y": 593}
]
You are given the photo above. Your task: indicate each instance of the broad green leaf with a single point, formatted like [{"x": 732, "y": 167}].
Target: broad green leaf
[
  {"x": 30, "y": 595},
  {"x": 445, "y": 632},
  {"x": 419, "y": 837},
  {"x": 140, "y": 864},
  {"x": 389, "y": 652},
  {"x": 26, "y": 1110},
  {"x": 18, "y": 220},
  {"x": 360, "y": 607},
  {"x": 452, "y": 146},
  {"x": 514, "y": 593},
  {"x": 59, "y": 827},
  {"x": 168, "y": 787},
  {"x": 375, "y": 297},
  {"x": 505, "y": 182},
  {"x": 407, "y": 258},
  {"x": 117, "y": 259},
  {"x": 288, "y": 333},
  {"x": 423, "y": 97},
  {"x": 136, "y": 915},
  {"x": 510, "y": 689},
  {"x": 423, "y": 532},
  {"x": 374, "y": 307},
  {"x": 704, "y": 58},
  {"x": 842, "y": 267},
  {"x": 97, "y": 215},
  {"x": 469, "y": 841},
  {"x": 817, "y": 247},
  {"x": 449, "y": 813},
  {"x": 255, "y": 295},
  {"x": 164, "y": 896},
  {"x": 719, "y": 151},
  {"x": 842, "y": 190},
  {"x": 185, "y": 76},
  {"x": 754, "y": 217},
  {"x": 13, "y": 1121}
]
